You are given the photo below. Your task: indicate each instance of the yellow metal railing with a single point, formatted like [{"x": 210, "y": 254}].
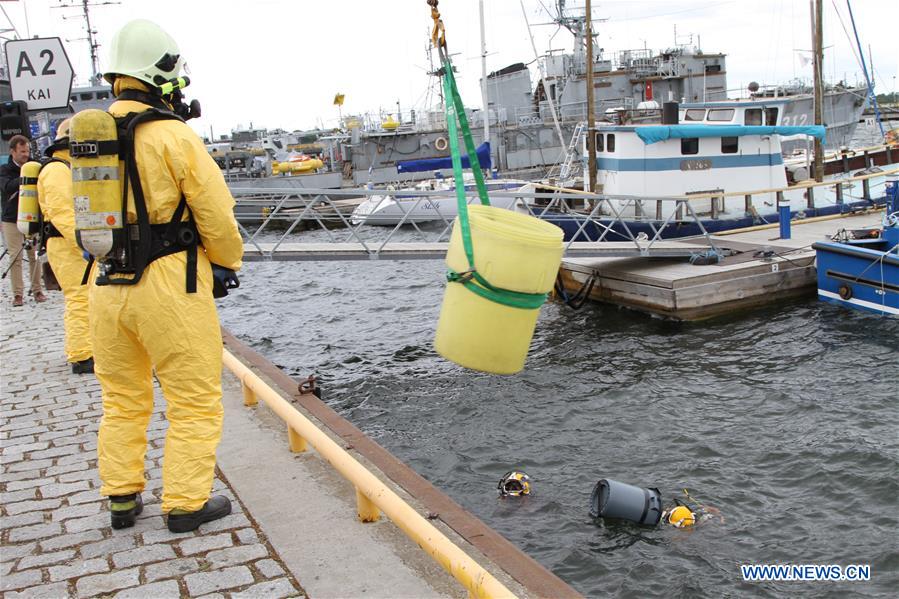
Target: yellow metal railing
[{"x": 372, "y": 496}]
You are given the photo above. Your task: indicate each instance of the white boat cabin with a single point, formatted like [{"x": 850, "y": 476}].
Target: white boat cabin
[{"x": 649, "y": 161}]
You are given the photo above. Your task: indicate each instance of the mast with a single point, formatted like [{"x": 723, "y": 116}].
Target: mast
[
  {"x": 95, "y": 60},
  {"x": 96, "y": 78},
  {"x": 817, "y": 44},
  {"x": 550, "y": 101},
  {"x": 591, "y": 116},
  {"x": 484, "y": 74}
]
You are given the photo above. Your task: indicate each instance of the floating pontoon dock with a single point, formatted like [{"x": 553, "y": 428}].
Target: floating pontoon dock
[{"x": 766, "y": 269}]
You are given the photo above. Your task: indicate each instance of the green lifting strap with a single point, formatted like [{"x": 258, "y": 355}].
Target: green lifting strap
[{"x": 471, "y": 279}]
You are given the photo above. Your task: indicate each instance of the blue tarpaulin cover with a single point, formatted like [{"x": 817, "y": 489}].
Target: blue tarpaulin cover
[
  {"x": 654, "y": 133},
  {"x": 435, "y": 164}
]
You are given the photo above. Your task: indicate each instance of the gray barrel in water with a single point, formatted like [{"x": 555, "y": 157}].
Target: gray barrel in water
[
  {"x": 612, "y": 499},
  {"x": 670, "y": 113}
]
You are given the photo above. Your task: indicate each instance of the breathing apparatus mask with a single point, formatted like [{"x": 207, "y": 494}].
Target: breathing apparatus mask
[{"x": 172, "y": 94}]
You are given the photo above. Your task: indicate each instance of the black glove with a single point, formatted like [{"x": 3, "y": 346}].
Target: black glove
[{"x": 223, "y": 279}]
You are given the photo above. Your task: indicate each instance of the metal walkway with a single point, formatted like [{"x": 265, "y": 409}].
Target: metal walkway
[
  {"x": 337, "y": 237},
  {"x": 437, "y": 250}
]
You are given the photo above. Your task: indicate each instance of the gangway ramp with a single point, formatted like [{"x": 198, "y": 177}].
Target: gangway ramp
[{"x": 305, "y": 252}]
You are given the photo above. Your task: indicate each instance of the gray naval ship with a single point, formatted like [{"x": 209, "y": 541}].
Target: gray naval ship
[{"x": 630, "y": 86}]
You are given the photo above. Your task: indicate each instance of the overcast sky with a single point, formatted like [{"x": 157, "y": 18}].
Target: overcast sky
[{"x": 278, "y": 63}]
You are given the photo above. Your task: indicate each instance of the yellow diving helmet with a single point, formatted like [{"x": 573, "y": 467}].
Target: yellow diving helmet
[
  {"x": 681, "y": 517},
  {"x": 514, "y": 484}
]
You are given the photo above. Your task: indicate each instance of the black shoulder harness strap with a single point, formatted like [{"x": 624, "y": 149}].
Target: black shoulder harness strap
[
  {"x": 152, "y": 241},
  {"x": 59, "y": 144}
]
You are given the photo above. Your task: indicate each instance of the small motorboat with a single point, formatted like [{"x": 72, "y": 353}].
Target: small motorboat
[{"x": 420, "y": 203}]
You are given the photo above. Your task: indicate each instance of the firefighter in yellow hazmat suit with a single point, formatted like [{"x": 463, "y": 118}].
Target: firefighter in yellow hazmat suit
[
  {"x": 54, "y": 189},
  {"x": 158, "y": 323}
]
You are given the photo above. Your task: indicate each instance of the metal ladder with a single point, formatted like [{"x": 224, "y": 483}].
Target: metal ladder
[{"x": 572, "y": 153}]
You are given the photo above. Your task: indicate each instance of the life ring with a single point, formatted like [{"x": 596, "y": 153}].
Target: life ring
[
  {"x": 440, "y": 144},
  {"x": 845, "y": 292}
]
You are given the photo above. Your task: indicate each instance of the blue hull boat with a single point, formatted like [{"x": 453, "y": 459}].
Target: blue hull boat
[{"x": 861, "y": 270}]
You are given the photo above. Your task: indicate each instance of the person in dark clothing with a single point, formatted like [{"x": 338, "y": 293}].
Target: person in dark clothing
[{"x": 19, "y": 153}]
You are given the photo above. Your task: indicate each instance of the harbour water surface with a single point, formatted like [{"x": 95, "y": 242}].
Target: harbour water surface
[{"x": 786, "y": 419}]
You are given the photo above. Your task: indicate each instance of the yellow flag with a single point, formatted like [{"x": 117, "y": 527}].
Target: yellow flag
[{"x": 338, "y": 99}]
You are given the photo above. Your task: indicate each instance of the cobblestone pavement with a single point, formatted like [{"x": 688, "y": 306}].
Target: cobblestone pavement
[{"x": 54, "y": 526}]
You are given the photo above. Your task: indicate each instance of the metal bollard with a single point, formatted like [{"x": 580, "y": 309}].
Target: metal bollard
[
  {"x": 783, "y": 209},
  {"x": 249, "y": 398},
  {"x": 839, "y": 193},
  {"x": 810, "y": 198},
  {"x": 365, "y": 508},
  {"x": 297, "y": 443}
]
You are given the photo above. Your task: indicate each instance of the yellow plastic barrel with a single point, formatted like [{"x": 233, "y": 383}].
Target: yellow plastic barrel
[{"x": 514, "y": 252}]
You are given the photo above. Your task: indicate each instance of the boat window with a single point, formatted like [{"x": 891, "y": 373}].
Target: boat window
[
  {"x": 752, "y": 116},
  {"x": 730, "y": 145},
  {"x": 689, "y": 145},
  {"x": 771, "y": 116},
  {"x": 87, "y": 97},
  {"x": 102, "y": 95},
  {"x": 600, "y": 138},
  {"x": 695, "y": 114},
  {"x": 719, "y": 115},
  {"x": 610, "y": 142}
]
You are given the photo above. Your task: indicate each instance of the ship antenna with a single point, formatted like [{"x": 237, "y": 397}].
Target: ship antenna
[{"x": 91, "y": 32}]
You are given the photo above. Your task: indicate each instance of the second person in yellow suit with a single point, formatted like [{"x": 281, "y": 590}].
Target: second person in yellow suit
[
  {"x": 54, "y": 188},
  {"x": 157, "y": 323}
]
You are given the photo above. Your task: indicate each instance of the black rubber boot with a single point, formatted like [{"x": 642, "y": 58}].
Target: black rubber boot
[
  {"x": 181, "y": 521},
  {"x": 123, "y": 509},
  {"x": 83, "y": 367}
]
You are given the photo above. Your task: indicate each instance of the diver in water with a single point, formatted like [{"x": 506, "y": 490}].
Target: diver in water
[
  {"x": 614, "y": 499},
  {"x": 514, "y": 484},
  {"x": 684, "y": 515}
]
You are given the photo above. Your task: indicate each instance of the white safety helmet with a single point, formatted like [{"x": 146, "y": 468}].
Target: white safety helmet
[{"x": 141, "y": 49}]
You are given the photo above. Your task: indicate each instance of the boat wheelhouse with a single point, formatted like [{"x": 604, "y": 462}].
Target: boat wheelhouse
[{"x": 647, "y": 161}]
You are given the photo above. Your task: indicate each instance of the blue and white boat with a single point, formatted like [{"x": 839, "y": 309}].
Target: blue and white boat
[
  {"x": 734, "y": 171},
  {"x": 860, "y": 269}
]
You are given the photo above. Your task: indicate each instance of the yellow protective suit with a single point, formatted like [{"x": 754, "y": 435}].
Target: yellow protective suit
[
  {"x": 157, "y": 324},
  {"x": 54, "y": 188}
]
